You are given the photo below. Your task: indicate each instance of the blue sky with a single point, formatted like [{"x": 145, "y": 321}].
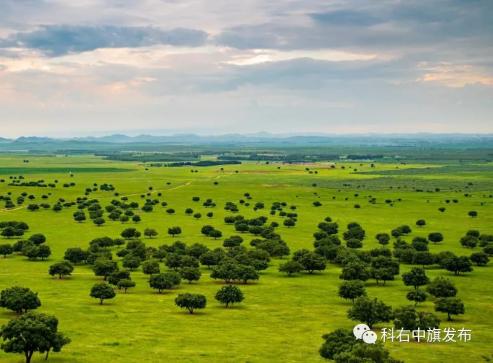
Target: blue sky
[{"x": 287, "y": 66}]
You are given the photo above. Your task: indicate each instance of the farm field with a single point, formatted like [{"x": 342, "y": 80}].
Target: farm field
[{"x": 282, "y": 319}]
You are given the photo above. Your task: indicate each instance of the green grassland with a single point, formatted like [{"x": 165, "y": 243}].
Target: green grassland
[{"x": 281, "y": 319}]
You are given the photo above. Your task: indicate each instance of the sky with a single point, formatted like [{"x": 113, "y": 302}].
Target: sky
[{"x": 94, "y": 67}]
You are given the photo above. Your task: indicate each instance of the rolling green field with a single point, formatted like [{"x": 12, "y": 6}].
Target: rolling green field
[{"x": 282, "y": 318}]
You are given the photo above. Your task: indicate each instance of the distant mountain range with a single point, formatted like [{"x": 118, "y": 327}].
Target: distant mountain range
[
  {"x": 156, "y": 143},
  {"x": 248, "y": 138}
]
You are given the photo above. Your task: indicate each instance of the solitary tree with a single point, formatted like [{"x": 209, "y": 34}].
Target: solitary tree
[
  {"x": 196, "y": 250},
  {"x": 104, "y": 267},
  {"x": 63, "y": 268},
  {"x": 442, "y": 287},
  {"x": 364, "y": 353},
  {"x": 191, "y": 301},
  {"x": 8, "y": 232},
  {"x": 212, "y": 258},
  {"x": 383, "y": 268},
  {"x": 233, "y": 241},
  {"x": 131, "y": 261},
  {"x": 102, "y": 291},
  {"x": 435, "y": 237},
  {"x": 129, "y": 233},
  {"x": 37, "y": 238},
  {"x": 408, "y": 318},
  {"x": 6, "y": 249},
  {"x": 290, "y": 267},
  {"x": 469, "y": 241},
  {"x": 44, "y": 251},
  {"x": 417, "y": 296},
  {"x": 423, "y": 258},
  {"x": 457, "y": 265},
  {"x": 312, "y": 262},
  {"x": 75, "y": 255},
  {"x": 207, "y": 229},
  {"x": 352, "y": 289},
  {"x": 354, "y": 243},
  {"x": 125, "y": 284},
  {"x": 79, "y": 216},
  {"x": 416, "y": 277},
  {"x": 215, "y": 233},
  {"x": 383, "y": 238},
  {"x": 289, "y": 222},
  {"x": 164, "y": 281},
  {"x": 173, "y": 231},
  {"x": 244, "y": 273},
  {"x": 19, "y": 299},
  {"x": 355, "y": 270},
  {"x": 450, "y": 305},
  {"x": 150, "y": 267},
  {"x": 229, "y": 294},
  {"x": 150, "y": 232},
  {"x": 32, "y": 333},
  {"x": 479, "y": 258},
  {"x": 99, "y": 221},
  {"x": 370, "y": 311},
  {"x": 190, "y": 274},
  {"x": 336, "y": 342}
]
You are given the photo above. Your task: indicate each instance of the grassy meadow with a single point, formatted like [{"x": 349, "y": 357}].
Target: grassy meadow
[{"x": 282, "y": 318}]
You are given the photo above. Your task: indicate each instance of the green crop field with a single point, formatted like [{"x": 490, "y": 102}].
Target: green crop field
[{"x": 282, "y": 319}]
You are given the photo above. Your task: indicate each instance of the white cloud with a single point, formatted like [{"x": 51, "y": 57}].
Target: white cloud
[{"x": 455, "y": 75}]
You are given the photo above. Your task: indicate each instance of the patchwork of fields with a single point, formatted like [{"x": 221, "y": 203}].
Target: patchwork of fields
[{"x": 282, "y": 318}]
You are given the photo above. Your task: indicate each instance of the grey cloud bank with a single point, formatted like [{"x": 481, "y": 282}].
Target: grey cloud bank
[
  {"x": 62, "y": 39},
  {"x": 314, "y": 66}
]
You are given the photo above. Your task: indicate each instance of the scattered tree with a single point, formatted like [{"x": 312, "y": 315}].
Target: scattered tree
[
  {"x": 164, "y": 281},
  {"x": 191, "y": 302},
  {"x": 480, "y": 258},
  {"x": 457, "y": 265},
  {"x": 416, "y": 277},
  {"x": 190, "y": 274},
  {"x": 229, "y": 294},
  {"x": 63, "y": 268},
  {"x": 75, "y": 255},
  {"x": 352, "y": 289},
  {"x": 435, "y": 237},
  {"x": 19, "y": 299},
  {"x": 450, "y": 305},
  {"x": 290, "y": 267},
  {"x": 442, "y": 287},
  {"x": 125, "y": 284},
  {"x": 370, "y": 311},
  {"x": 150, "y": 232},
  {"x": 417, "y": 296},
  {"x": 102, "y": 291},
  {"x": 408, "y": 318},
  {"x": 32, "y": 333},
  {"x": 6, "y": 249},
  {"x": 173, "y": 231},
  {"x": 150, "y": 267}
]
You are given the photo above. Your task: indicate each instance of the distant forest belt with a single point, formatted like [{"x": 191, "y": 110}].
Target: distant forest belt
[
  {"x": 20, "y": 171},
  {"x": 447, "y": 169}
]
